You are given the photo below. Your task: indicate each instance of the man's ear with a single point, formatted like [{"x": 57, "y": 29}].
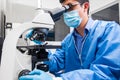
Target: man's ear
[{"x": 86, "y": 6}]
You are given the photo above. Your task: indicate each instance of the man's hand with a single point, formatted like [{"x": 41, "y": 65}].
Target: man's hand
[
  {"x": 36, "y": 75},
  {"x": 29, "y": 35}
]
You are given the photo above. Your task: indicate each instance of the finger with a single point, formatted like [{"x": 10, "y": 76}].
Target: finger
[
  {"x": 27, "y": 77},
  {"x": 36, "y": 72}
]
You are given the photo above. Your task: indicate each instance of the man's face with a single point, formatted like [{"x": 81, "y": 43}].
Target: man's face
[
  {"x": 71, "y": 2},
  {"x": 78, "y": 7}
]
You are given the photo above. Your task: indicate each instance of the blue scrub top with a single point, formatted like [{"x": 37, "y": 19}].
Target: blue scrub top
[{"x": 98, "y": 58}]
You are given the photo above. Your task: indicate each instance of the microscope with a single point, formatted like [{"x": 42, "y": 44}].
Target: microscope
[
  {"x": 19, "y": 60},
  {"x": 38, "y": 52}
]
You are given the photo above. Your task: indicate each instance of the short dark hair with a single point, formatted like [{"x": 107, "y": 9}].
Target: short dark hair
[{"x": 82, "y": 1}]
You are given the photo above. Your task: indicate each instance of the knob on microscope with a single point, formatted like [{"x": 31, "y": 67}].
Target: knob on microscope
[{"x": 23, "y": 73}]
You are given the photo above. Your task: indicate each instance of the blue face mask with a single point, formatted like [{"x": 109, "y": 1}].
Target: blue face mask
[{"x": 72, "y": 19}]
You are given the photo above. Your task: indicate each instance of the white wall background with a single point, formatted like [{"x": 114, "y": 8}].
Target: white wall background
[
  {"x": 19, "y": 11},
  {"x": 97, "y": 5},
  {"x": 24, "y": 10}
]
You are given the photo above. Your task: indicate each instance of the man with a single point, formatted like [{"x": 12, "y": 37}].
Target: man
[{"x": 90, "y": 52}]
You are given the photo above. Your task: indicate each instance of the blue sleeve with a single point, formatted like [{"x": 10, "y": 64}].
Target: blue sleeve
[
  {"x": 106, "y": 65},
  {"x": 57, "y": 59}
]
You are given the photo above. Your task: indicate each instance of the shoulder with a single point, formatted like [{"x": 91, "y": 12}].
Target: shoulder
[
  {"x": 103, "y": 26},
  {"x": 108, "y": 28},
  {"x": 111, "y": 26},
  {"x": 107, "y": 24}
]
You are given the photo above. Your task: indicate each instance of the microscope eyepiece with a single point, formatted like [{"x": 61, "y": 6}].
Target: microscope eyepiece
[{"x": 58, "y": 12}]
